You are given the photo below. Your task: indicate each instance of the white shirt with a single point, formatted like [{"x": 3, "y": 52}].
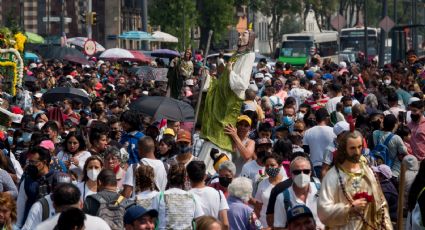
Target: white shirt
[
  {"x": 192, "y": 207},
  {"x": 241, "y": 74},
  {"x": 35, "y": 215},
  {"x": 91, "y": 222},
  {"x": 212, "y": 201},
  {"x": 84, "y": 190},
  {"x": 82, "y": 157},
  {"x": 318, "y": 138},
  {"x": 331, "y": 104},
  {"x": 300, "y": 94},
  {"x": 263, "y": 194},
  {"x": 158, "y": 168},
  {"x": 16, "y": 165},
  {"x": 280, "y": 216},
  {"x": 145, "y": 198}
]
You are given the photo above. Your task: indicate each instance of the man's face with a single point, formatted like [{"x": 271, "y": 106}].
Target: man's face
[
  {"x": 317, "y": 92},
  {"x": 263, "y": 148},
  {"x": 302, "y": 223},
  {"x": 52, "y": 134},
  {"x": 143, "y": 223},
  {"x": 354, "y": 149},
  {"x": 34, "y": 159},
  {"x": 175, "y": 126},
  {"x": 243, "y": 38},
  {"x": 264, "y": 134},
  {"x": 301, "y": 166},
  {"x": 290, "y": 112},
  {"x": 348, "y": 103}
]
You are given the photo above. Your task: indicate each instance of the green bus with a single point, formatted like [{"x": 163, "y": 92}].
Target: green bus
[{"x": 298, "y": 48}]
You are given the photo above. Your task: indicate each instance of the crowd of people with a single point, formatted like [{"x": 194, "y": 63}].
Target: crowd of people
[{"x": 324, "y": 146}]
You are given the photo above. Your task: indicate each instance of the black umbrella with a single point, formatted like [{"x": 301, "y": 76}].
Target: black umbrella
[
  {"x": 61, "y": 93},
  {"x": 59, "y": 52},
  {"x": 164, "y": 108}
]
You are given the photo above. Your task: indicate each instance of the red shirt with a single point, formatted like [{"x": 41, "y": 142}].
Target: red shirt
[{"x": 218, "y": 187}]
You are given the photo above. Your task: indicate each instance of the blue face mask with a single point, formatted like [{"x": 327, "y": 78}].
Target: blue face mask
[
  {"x": 347, "y": 110},
  {"x": 288, "y": 121},
  {"x": 10, "y": 140},
  {"x": 26, "y": 137}
]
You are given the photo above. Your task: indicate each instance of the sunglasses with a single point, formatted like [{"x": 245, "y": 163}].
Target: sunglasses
[{"x": 298, "y": 172}]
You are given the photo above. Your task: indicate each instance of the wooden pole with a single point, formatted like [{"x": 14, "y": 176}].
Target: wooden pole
[
  {"x": 400, "y": 202},
  {"x": 202, "y": 78}
]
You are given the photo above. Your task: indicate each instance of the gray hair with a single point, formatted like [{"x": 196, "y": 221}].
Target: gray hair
[
  {"x": 228, "y": 165},
  {"x": 241, "y": 187},
  {"x": 298, "y": 158},
  {"x": 371, "y": 100},
  {"x": 112, "y": 150}
]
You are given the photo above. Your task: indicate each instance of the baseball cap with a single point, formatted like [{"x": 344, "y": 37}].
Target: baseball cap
[
  {"x": 249, "y": 107},
  {"x": 135, "y": 212},
  {"x": 340, "y": 127},
  {"x": 184, "y": 136},
  {"x": 244, "y": 118},
  {"x": 384, "y": 170},
  {"x": 413, "y": 99},
  {"x": 259, "y": 76},
  {"x": 298, "y": 212},
  {"x": 47, "y": 144},
  {"x": 169, "y": 132}
]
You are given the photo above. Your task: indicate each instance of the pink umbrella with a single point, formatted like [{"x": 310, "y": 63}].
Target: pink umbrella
[{"x": 118, "y": 54}]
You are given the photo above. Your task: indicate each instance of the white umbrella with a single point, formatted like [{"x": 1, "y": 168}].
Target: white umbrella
[
  {"x": 123, "y": 54},
  {"x": 80, "y": 41},
  {"x": 164, "y": 37}
]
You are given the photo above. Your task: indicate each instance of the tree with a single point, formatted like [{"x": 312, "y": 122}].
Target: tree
[
  {"x": 171, "y": 15},
  {"x": 214, "y": 15}
]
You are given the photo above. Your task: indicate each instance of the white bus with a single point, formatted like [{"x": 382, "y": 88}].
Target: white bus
[
  {"x": 353, "y": 39},
  {"x": 296, "y": 49}
]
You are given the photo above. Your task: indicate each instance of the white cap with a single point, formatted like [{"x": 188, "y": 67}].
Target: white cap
[
  {"x": 69, "y": 77},
  {"x": 299, "y": 73},
  {"x": 268, "y": 75},
  {"x": 413, "y": 99},
  {"x": 340, "y": 127},
  {"x": 259, "y": 75},
  {"x": 38, "y": 95},
  {"x": 32, "y": 65},
  {"x": 342, "y": 65}
]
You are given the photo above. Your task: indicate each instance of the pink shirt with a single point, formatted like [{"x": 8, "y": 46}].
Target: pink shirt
[{"x": 417, "y": 141}]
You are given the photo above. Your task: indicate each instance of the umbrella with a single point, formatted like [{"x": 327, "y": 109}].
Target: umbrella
[
  {"x": 59, "y": 52},
  {"x": 34, "y": 38},
  {"x": 165, "y": 53},
  {"x": 80, "y": 41},
  {"x": 164, "y": 37},
  {"x": 31, "y": 56},
  {"x": 164, "y": 108},
  {"x": 123, "y": 54},
  {"x": 76, "y": 59},
  {"x": 150, "y": 73},
  {"x": 136, "y": 35},
  {"x": 61, "y": 93}
]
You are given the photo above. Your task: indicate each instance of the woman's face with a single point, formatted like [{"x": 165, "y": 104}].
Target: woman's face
[
  {"x": 111, "y": 162},
  {"x": 271, "y": 163},
  {"x": 102, "y": 143},
  {"x": 72, "y": 144},
  {"x": 94, "y": 164},
  {"x": 4, "y": 215},
  {"x": 163, "y": 148},
  {"x": 225, "y": 173}
]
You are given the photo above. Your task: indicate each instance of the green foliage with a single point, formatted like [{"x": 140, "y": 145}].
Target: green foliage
[{"x": 171, "y": 15}]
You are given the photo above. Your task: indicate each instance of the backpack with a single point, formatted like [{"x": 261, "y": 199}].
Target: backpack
[
  {"x": 381, "y": 151},
  {"x": 111, "y": 212},
  {"x": 287, "y": 197},
  {"x": 45, "y": 209}
]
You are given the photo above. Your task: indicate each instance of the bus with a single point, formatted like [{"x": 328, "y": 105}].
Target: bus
[
  {"x": 352, "y": 39},
  {"x": 296, "y": 49}
]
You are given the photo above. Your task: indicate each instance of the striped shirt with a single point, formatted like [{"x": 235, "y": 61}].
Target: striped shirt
[{"x": 317, "y": 104}]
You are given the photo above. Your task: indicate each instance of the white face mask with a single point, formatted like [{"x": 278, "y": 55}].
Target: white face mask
[
  {"x": 300, "y": 115},
  {"x": 302, "y": 180},
  {"x": 92, "y": 174},
  {"x": 387, "y": 82},
  {"x": 40, "y": 125}
]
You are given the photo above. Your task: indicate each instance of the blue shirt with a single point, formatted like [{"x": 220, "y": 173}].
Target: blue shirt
[
  {"x": 132, "y": 139},
  {"x": 241, "y": 216}
]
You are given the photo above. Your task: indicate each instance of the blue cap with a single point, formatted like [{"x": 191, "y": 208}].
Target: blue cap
[
  {"x": 297, "y": 212},
  {"x": 135, "y": 212},
  {"x": 309, "y": 74},
  {"x": 327, "y": 76}
]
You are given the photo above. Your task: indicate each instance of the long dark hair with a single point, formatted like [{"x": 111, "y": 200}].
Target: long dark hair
[
  {"x": 81, "y": 142},
  {"x": 417, "y": 185}
]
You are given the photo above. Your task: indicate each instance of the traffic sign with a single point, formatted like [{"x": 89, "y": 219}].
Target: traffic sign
[
  {"x": 386, "y": 24},
  {"x": 338, "y": 22},
  {"x": 90, "y": 47}
]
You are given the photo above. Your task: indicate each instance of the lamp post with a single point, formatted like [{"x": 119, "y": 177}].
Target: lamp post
[{"x": 365, "y": 31}]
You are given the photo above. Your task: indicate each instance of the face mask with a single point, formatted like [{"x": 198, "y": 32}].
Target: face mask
[
  {"x": 300, "y": 115},
  {"x": 311, "y": 122},
  {"x": 302, "y": 180},
  {"x": 316, "y": 96},
  {"x": 10, "y": 140},
  {"x": 26, "y": 137},
  {"x": 74, "y": 182},
  {"x": 92, "y": 174},
  {"x": 224, "y": 181},
  {"x": 387, "y": 82},
  {"x": 278, "y": 87},
  {"x": 32, "y": 171},
  {"x": 184, "y": 149},
  {"x": 40, "y": 125},
  {"x": 347, "y": 110},
  {"x": 415, "y": 117},
  {"x": 288, "y": 121},
  {"x": 412, "y": 92},
  {"x": 272, "y": 172},
  {"x": 376, "y": 124}
]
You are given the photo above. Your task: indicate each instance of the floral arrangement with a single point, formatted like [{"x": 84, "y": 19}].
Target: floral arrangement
[
  {"x": 20, "y": 40},
  {"x": 365, "y": 195},
  {"x": 12, "y": 65}
]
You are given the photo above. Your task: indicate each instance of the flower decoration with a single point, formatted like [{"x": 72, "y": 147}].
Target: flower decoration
[
  {"x": 20, "y": 41},
  {"x": 6, "y": 64},
  {"x": 365, "y": 195}
]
